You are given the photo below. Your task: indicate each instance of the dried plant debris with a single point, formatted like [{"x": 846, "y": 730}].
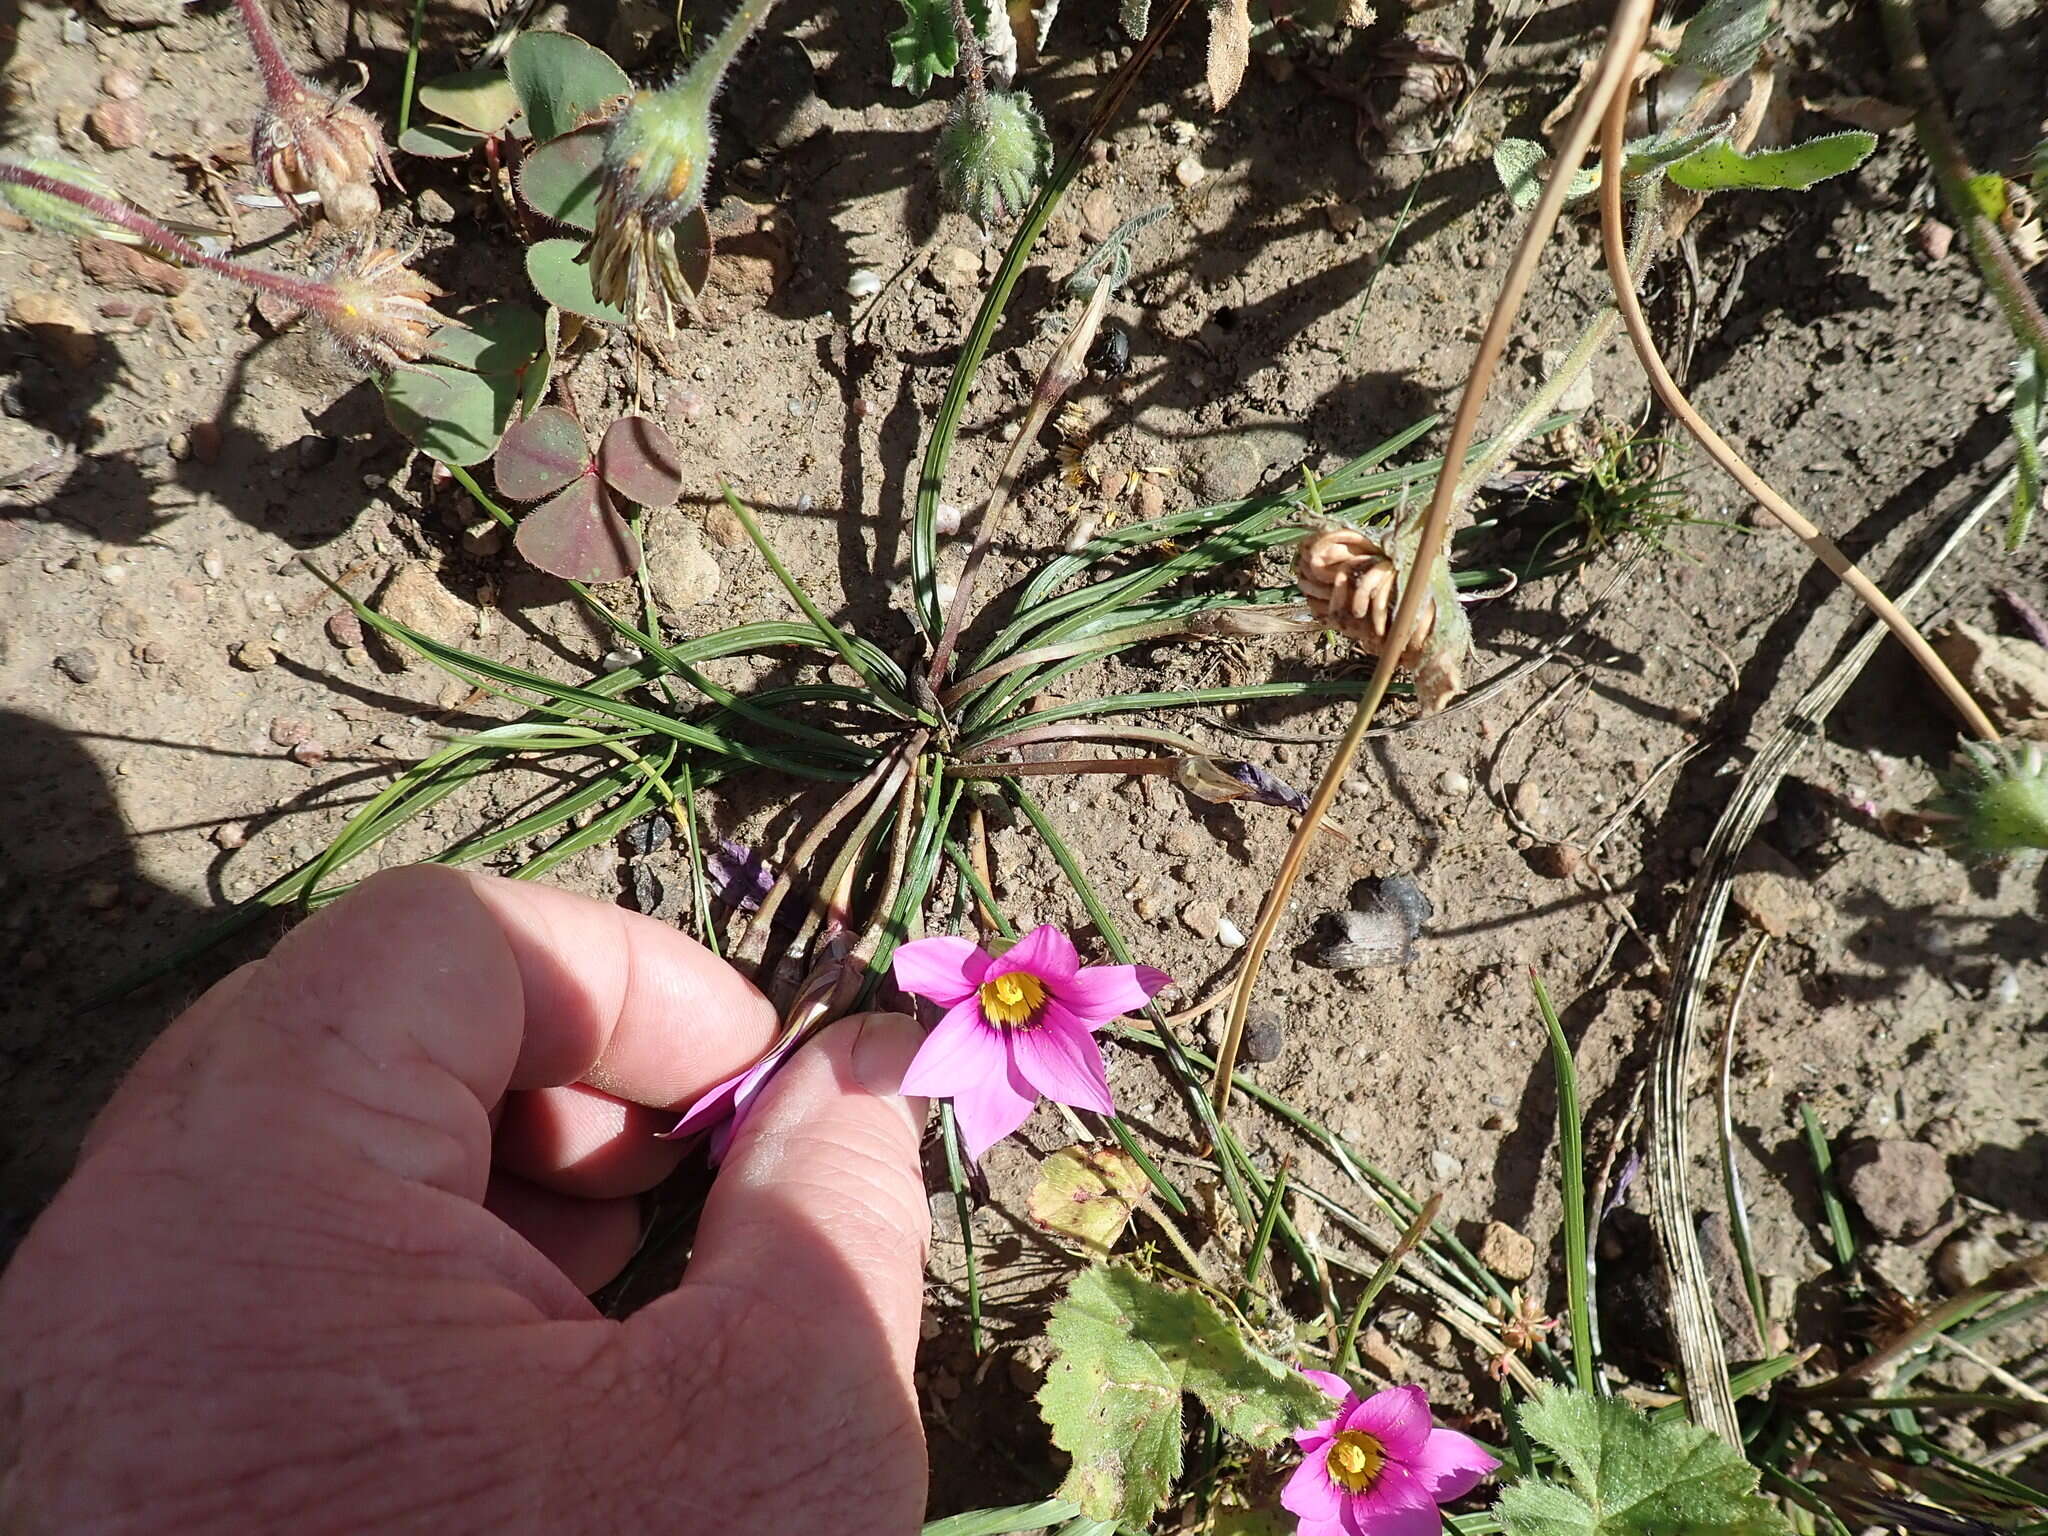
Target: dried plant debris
[{"x": 1381, "y": 930}]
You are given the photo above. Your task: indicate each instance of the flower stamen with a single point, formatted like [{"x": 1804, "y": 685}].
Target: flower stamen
[
  {"x": 1013, "y": 1000},
  {"x": 1354, "y": 1460}
]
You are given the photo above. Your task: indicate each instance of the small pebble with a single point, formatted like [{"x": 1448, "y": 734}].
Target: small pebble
[
  {"x": 289, "y": 732},
  {"x": 2005, "y": 984},
  {"x": 946, "y": 519},
  {"x": 1204, "y": 919},
  {"x": 253, "y": 656},
  {"x": 118, "y": 124},
  {"x": 101, "y": 894},
  {"x": 689, "y": 404},
  {"x": 1556, "y": 861},
  {"x": 1228, "y": 934},
  {"x": 344, "y": 628},
  {"x": 230, "y": 834},
  {"x": 1443, "y": 1167},
  {"x": 1264, "y": 1038},
  {"x": 212, "y": 564},
  {"x": 1190, "y": 171},
  {"x": 81, "y": 666},
  {"x": 120, "y": 85},
  {"x": 1452, "y": 782},
  {"x": 863, "y": 283},
  {"x": 309, "y": 753},
  {"x": 619, "y": 660},
  {"x": 647, "y": 835},
  {"x": 114, "y": 575}
]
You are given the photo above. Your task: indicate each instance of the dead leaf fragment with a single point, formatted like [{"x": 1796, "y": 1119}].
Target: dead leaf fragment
[
  {"x": 2008, "y": 676},
  {"x": 1868, "y": 112},
  {"x": 1230, "y": 49}
]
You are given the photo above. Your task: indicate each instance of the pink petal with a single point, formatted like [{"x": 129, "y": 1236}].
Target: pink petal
[
  {"x": 1061, "y": 1060},
  {"x": 1398, "y": 1418},
  {"x": 946, "y": 970},
  {"x": 1450, "y": 1464},
  {"x": 713, "y": 1105},
  {"x": 1312, "y": 1495},
  {"x": 1098, "y": 993},
  {"x": 1395, "y": 1505},
  {"x": 1314, "y": 1440},
  {"x": 989, "y": 1110},
  {"x": 960, "y": 1053},
  {"x": 1045, "y": 952},
  {"x": 1334, "y": 1387}
]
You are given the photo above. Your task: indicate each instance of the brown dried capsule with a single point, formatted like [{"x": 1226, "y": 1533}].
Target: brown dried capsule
[
  {"x": 308, "y": 141},
  {"x": 1350, "y": 582}
]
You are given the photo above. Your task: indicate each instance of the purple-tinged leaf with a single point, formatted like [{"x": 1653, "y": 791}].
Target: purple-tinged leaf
[
  {"x": 578, "y": 537},
  {"x": 540, "y": 455},
  {"x": 740, "y": 876},
  {"x": 1266, "y": 789},
  {"x": 638, "y": 461}
]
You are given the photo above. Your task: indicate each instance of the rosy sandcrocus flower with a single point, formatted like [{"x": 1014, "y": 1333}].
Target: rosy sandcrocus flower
[
  {"x": 1378, "y": 1466},
  {"x": 1017, "y": 1025}
]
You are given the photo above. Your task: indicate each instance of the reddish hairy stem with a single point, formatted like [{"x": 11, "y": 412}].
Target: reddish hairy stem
[
  {"x": 281, "y": 83},
  {"x": 301, "y": 291}
]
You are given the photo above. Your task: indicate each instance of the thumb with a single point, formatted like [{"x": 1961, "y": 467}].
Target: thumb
[{"x": 807, "y": 1279}]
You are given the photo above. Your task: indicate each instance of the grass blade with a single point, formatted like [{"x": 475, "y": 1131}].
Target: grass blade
[{"x": 1571, "y": 1155}]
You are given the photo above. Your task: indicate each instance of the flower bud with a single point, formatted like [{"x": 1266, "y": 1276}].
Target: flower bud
[
  {"x": 991, "y": 154},
  {"x": 1996, "y": 803},
  {"x": 53, "y": 210}
]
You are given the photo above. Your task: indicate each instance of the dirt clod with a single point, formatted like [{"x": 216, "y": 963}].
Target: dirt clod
[
  {"x": 82, "y": 665},
  {"x": 124, "y": 266},
  {"x": 1264, "y": 1037},
  {"x": 60, "y": 332},
  {"x": 253, "y": 656},
  {"x": 681, "y": 571},
  {"x": 118, "y": 124},
  {"x": 414, "y": 597},
  {"x": 1507, "y": 1252},
  {"x": 2007, "y": 675},
  {"x": 1901, "y": 1187},
  {"x": 1556, "y": 861}
]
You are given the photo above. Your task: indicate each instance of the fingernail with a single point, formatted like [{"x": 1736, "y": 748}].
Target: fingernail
[{"x": 883, "y": 1049}]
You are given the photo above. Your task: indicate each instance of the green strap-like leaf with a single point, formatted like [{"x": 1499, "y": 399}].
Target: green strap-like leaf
[
  {"x": 1720, "y": 165},
  {"x": 2026, "y": 432}
]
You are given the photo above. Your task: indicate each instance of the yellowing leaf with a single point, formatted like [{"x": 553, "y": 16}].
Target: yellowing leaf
[
  {"x": 1125, "y": 1350},
  {"x": 1230, "y": 49},
  {"x": 1088, "y": 1194}
]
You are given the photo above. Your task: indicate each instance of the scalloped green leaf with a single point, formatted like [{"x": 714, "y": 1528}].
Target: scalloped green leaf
[
  {"x": 561, "y": 81},
  {"x": 450, "y": 414},
  {"x": 561, "y": 178},
  {"x": 1125, "y": 1349},
  {"x": 1519, "y": 163},
  {"x": 1627, "y": 1476},
  {"x": 1719, "y": 165},
  {"x": 924, "y": 46},
  {"x": 439, "y": 141},
  {"x": 479, "y": 99},
  {"x": 564, "y": 281}
]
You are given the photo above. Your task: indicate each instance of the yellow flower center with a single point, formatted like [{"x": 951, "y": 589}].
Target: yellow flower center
[
  {"x": 1354, "y": 1460},
  {"x": 1011, "y": 1000}
]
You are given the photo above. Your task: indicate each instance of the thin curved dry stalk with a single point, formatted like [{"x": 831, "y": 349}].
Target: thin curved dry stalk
[
  {"x": 1616, "y": 59},
  {"x": 1823, "y": 548},
  {"x": 1699, "y": 929}
]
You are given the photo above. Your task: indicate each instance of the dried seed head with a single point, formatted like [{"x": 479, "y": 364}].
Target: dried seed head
[
  {"x": 1381, "y": 930},
  {"x": 656, "y": 157},
  {"x": 1350, "y": 582},
  {"x": 991, "y": 154},
  {"x": 308, "y": 141},
  {"x": 375, "y": 307}
]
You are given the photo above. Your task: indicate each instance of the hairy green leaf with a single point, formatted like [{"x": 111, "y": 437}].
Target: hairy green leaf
[
  {"x": 1725, "y": 37},
  {"x": 451, "y": 414},
  {"x": 564, "y": 281},
  {"x": 1720, "y": 165},
  {"x": 562, "y": 177},
  {"x": 481, "y": 99},
  {"x": 1519, "y": 163},
  {"x": 561, "y": 81},
  {"x": 1125, "y": 1350},
  {"x": 1626, "y": 1476},
  {"x": 2026, "y": 432}
]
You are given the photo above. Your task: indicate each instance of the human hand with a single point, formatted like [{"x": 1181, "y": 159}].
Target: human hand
[{"x": 322, "y": 1263}]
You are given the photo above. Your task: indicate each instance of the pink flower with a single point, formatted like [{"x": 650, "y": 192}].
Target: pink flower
[
  {"x": 1016, "y": 1026},
  {"x": 1378, "y": 1467},
  {"x": 722, "y": 1107}
]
